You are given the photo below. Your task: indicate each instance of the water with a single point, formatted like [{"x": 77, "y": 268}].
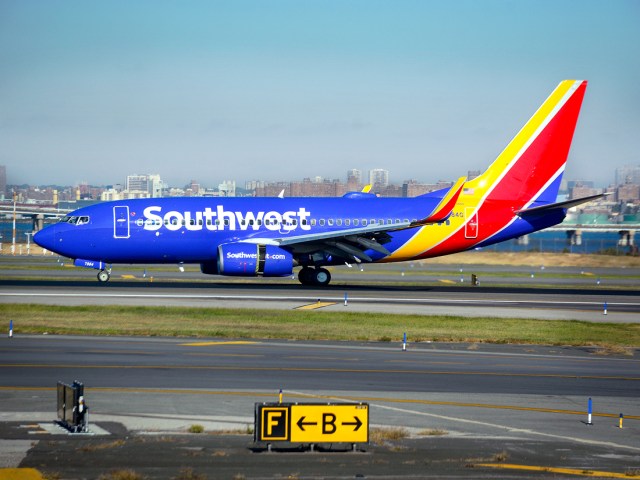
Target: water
[{"x": 557, "y": 242}]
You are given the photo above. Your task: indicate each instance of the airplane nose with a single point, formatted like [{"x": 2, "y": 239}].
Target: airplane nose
[{"x": 46, "y": 238}]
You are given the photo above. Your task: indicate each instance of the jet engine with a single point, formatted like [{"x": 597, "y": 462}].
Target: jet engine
[{"x": 243, "y": 259}]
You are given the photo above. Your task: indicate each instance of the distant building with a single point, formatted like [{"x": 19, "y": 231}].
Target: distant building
[
  {"x": 582, "y": 189},
  {"x": 253, "y": 185},
  {"x": 227, "y": 188},
  {"x": 379, "y": 178},
  {"x": 471, "y": 174},
  {"x": 137, "y": 185},
  {"x": 628, "y": 174},
  {"x": 413, "y": 188},
  {"x": 628, "y": 193},
  {"x": 3, "y": 181}
]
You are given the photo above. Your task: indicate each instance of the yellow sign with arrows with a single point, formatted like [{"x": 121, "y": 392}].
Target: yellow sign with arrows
[{"x": 312, "y": 422}]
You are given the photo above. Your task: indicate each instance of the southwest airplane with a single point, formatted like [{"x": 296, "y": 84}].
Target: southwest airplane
[{"x": 269, "y": 237}]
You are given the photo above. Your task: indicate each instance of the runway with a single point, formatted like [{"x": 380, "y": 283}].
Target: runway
[
  {"x": 514, "y": 397},
  {"x": 515, "y": 302}
]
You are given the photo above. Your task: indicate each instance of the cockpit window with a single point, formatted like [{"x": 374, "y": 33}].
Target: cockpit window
[{"x": 75, "y": 220}]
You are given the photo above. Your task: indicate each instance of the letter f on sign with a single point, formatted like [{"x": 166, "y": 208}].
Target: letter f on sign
[{"x": 273, "y": 420}]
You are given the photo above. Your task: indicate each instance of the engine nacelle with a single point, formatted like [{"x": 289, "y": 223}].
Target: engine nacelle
[{"x": 250, "y": 260}]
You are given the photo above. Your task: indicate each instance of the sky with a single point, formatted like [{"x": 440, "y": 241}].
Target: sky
[{"x": 280, "y": 90}]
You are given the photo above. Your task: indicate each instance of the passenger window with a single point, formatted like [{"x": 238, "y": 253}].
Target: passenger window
[
  {"x": 347, "y": 222},
  {"x": 226, "y": 222},
  {"x": 356, "y": 222},
  {"x": 313, "y": 222},
  {"x": 322, "y": 222},
  {"x": 364, "y": 222},
  {"x": 339, "y": 222},
  {"x": 330, "y": 222}
]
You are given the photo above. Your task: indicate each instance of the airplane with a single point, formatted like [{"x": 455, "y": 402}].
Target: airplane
[{"x": 269, "y": 237}]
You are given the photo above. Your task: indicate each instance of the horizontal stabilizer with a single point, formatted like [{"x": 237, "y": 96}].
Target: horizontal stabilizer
[{"x": 557, "y": 205}]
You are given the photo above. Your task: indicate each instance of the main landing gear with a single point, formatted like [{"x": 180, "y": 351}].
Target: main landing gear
[
  {"x": 319, "y": 277},
  {"x": 103, "y": 276}
]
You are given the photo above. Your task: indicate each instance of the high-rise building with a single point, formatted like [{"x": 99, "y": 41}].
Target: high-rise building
[
  {"x": 379, "y": 178},
  {"x": 137, "y": 183},
  {"x": 3, "y": 181},
  {"x": 227, "y": 188},
  {"x": 150, "y": 184},
  {"x": 628, "y": 174},
  {"x": 354, "y": 176},
  {"x": 155, "y": 185}
]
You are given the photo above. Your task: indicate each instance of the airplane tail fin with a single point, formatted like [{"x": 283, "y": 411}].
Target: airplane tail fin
[{"x": 528, "y": 171}]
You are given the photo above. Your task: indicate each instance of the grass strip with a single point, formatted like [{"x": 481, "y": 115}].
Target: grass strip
[{"x": 309, "y": 325}]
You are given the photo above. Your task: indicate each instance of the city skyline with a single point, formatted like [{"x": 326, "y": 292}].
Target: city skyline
[
  {"x": 215, "y": 90},
  {"x": 617, "y": 174}
]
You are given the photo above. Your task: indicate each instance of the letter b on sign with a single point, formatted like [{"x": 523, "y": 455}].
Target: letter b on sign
[{"x": 328, "y": 423}]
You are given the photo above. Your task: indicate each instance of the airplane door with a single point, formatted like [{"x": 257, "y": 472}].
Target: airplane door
[
  {"x": 121, "y": 222},
  {"x": 471, "y": 227}
]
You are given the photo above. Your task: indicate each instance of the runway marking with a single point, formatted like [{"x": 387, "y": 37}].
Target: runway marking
[
  {"x": 191, "y": 391},
  {"x": 128, "y": 277},
  {"x": 325, "y": 370},
  {"x": 508, "y": 428},
  {"x": 585, "y": 472},
  {"x": 211, "y": 344},
  {"x": 315, "y": 306},
  {"x": 546, "y": 304},
  {"x": 448, "y": 282},
  {"x": 477, "y": 405},
  {"x": 20, "y": 474}
]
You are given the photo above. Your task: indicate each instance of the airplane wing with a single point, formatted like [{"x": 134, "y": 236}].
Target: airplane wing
[{"x": 352, "y": 242}]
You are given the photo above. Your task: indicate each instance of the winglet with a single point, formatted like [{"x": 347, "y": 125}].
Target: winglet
[
  {"x": 445, "y": 207},
  {"x": 366, "y": 188}
]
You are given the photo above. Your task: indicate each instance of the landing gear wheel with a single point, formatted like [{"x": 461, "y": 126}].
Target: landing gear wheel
[
  {"x": 305, "y": 276},
  {"x": 103, "y": 276},
  {"x": 321, "y": 277}
]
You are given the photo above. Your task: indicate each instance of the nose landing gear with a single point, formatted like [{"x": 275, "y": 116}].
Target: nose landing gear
[{"x": 103, "y": 276}]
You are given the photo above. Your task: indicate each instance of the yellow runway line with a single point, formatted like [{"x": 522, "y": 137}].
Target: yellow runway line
[
  {"x": 314, "y": 306},
  {"x": 568, "y": 471},
  {"x": 20, "y": 474}
]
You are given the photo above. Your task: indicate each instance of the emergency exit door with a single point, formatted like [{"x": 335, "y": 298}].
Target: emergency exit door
[{"x": 121, "y": 222}]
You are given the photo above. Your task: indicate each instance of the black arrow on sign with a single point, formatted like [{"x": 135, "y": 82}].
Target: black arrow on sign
[
  {"x": 301, "y": 423},
  {"x": 357, "y": 423}
]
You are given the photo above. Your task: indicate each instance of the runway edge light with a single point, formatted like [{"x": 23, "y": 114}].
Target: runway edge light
[
  {"x": 589, "y": 411},
  {"x": 10, "y": 328}
]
